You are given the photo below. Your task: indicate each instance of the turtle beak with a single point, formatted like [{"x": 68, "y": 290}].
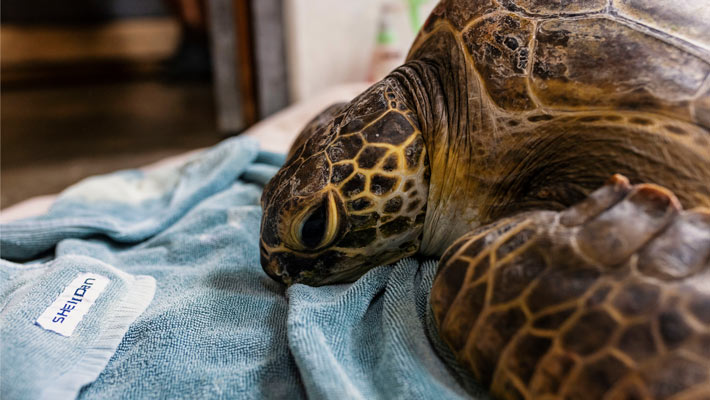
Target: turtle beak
[{"x": 269, "y": 266}]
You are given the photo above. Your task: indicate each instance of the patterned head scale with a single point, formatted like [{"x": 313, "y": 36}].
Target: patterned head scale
[{"x": 352, "y": 194}]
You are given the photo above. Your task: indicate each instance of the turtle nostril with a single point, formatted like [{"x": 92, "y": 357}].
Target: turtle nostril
[
  {"x": 271, "y": 270},
  {"x": 267, "y": 266},
  {"x": 273, "y": 275}
]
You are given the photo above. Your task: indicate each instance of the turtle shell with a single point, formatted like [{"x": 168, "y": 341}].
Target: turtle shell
[{"x": 641, "y": 55}]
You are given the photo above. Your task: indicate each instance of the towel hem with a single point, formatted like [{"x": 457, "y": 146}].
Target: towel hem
[{"x": 139, "y": 296}]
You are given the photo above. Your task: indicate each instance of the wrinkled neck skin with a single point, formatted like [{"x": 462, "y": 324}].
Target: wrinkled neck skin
[{"x": 443, "y": 106}]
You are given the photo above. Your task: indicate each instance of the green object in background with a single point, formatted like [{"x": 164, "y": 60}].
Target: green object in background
[
  {"x": 386, "y": 36},
  {"x": 414, "y": 14}
]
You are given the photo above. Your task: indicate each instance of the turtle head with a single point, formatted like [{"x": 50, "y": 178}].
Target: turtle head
[{"x": 352, "y": 194}]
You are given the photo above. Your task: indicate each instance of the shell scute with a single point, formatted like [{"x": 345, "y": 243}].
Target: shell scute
[
  {"x": 499, "y": 46},
  {"x": 600, "y": 63},
  {"x": 683, "y": 19},
  {"x": 458, "y": 12},
  {"x": 546, "y": 7}
]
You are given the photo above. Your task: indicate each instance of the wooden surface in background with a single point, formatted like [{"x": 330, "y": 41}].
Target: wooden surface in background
[
  {"x": 245, "y": 59},
  {"x": 44, "y": 55},
  {"x": 147, "y": 39},
  {"x": 72, "y": 105},
  {"x": 54, "y": 136}
]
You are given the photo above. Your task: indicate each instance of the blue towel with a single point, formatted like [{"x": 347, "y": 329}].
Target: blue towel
[{"x": 148, "y": 285}]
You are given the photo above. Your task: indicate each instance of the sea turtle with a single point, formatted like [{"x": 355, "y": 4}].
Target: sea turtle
[{"x": 488, "y": 142}]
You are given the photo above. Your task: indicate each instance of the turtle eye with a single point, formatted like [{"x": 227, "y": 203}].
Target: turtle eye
[
  {"x": 318, "y": 227},
  {"x": 314, "y": 226}
]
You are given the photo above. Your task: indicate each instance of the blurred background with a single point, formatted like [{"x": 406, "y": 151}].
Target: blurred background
[{"x": 93, "y": 86}]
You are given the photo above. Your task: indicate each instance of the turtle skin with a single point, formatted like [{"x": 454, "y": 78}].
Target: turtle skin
[
  {"x": 485, "y": 149},
  {"x": 607, "y": 299}
]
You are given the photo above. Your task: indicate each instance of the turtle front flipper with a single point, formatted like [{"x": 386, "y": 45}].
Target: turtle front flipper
[{"x": 607, "y": 299}]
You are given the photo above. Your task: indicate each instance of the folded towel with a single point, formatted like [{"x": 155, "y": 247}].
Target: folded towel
[{"x": 172, "y": 301}]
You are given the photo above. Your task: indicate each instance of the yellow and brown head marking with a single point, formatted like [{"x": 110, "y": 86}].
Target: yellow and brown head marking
[{"x": 352, "y": 194}]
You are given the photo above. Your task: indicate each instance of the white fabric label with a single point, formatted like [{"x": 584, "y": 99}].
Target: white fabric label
[{"x": 75, "y": 301}]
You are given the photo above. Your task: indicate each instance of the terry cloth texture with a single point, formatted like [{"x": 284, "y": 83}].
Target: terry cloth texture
[{"x": 188, "y": 311}]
